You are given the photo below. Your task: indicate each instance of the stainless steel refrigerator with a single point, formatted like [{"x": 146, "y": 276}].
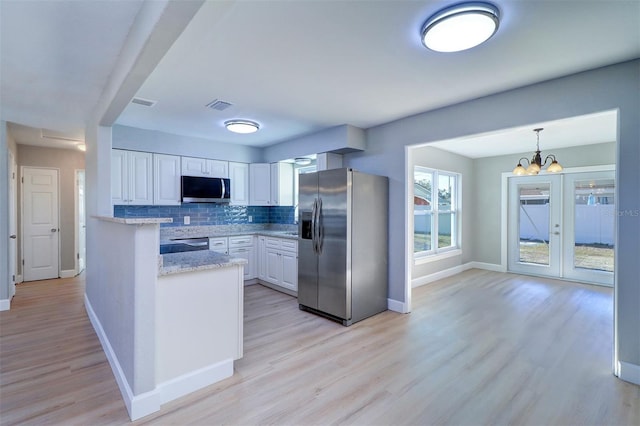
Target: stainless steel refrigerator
[{"x": 343, "y": 244}]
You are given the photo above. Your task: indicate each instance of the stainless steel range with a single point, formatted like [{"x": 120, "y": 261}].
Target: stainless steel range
[{"x": 184, "y": 244}]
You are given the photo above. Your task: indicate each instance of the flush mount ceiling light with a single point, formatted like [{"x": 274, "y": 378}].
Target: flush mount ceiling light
[
  {"x": 302, "y": 161},
  {"x": 460, "y": 27},
  {"x": 536, "y": 164},
  {"x": 242, "y": 126}
]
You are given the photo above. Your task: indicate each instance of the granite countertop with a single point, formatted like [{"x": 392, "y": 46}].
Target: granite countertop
[
  {"x": 174, "y": 263},
  {"x": 267, "y": 233},
  {"x": 134, "y": 220}
]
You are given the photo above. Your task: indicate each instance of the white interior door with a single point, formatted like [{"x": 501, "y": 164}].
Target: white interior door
[
  {"x": 589, "y": 215},
  {"x": 40, "y": 224},
  {"x": 81, "y": 221},
  {"x": 534, "y": 225},
  {"x": 13, "y": 225}
]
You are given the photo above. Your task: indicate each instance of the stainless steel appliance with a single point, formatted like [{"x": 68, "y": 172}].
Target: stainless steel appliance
[
  {"x": 181, "y": 245},
  {"x": 197, "y": 189},
  {"x": 342, "y": 244}
]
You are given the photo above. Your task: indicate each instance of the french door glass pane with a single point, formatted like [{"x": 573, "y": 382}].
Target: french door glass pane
[
  {"x": 594, "y": 224},
  {"x": 534, "y": 224}
]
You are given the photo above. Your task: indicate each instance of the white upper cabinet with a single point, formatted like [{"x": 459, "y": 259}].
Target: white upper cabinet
[
  {"x": 282, "y": 184},
  {"x": 239, "y": 177},
  {"x": 131, "y": 177},
  {"x": 259, "y": 184},
  {"x": 166, "y": 179},
  {"x": 192, "y": 166}
]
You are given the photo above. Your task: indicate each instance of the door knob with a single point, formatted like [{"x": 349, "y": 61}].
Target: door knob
[
  {"x": 53, "y": 229},
  {"x": 13, "y": 237}
]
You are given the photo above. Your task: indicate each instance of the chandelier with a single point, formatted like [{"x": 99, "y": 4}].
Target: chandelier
[{"x": 535, "y": 165}]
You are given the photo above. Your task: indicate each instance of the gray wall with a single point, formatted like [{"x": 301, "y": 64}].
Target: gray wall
[
  {"x": 166, "y": 143},
  {"x": 67, "y": 161},
  {"x": 487, "y": 185},
  {"x": 438, "y": 159}
]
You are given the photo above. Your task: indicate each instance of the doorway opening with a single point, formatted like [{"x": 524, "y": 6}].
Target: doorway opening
[{"x": 81, "y": 247}]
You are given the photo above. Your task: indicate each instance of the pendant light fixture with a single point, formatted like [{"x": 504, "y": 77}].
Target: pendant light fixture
[
  {"x": 242, "y": 126},
  {"x": 535, "y": 165},
  {"x": 460, "y": 27}
]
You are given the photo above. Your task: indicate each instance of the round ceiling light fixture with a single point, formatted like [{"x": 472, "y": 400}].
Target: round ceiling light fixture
[
  {"x": 460, "y": 27},
  {"x": 242, "y": 126}
]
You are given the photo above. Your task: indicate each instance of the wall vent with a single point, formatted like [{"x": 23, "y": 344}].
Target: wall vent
[
  {"x": 218, "y": 105},
  {"x": 143, "y": 102}
]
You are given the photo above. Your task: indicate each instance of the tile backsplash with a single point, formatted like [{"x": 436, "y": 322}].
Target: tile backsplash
[{"x": 211, "y": 214}]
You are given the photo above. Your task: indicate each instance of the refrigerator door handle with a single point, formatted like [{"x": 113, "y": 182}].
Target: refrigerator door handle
[
  {"x": 320, "y": 235},
  {"x": 313, "y": 225}
]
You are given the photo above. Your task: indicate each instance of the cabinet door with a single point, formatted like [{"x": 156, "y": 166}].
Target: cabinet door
[
  {"x": 217, "y": 168},
  {"x": 260, "y": 184},
  {"x": 274, "y": 266},
  {"x": 239, "y": 176},
  {"x": 119, "y": 180},
  {"x": 282, "y": 184},
  {"x": 245, "y": 253},
  {"x": 194, "y": 166},
  {"x": 166, "y": 179},
  {"x": 289, "y": 270},
  {"x": 262, "y": 258},
  {"x": 140, "y": 176}
]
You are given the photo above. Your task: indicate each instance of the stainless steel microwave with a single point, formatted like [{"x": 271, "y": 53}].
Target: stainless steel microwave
[{"x": 196, "y": 189}]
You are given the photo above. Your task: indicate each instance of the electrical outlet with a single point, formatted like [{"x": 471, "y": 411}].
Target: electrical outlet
[
  {"x": 250, "y": 219},
  {"x": 187, "y": 220}
]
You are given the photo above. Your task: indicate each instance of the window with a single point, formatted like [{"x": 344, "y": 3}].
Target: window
[{"x": 436, "y": 211}]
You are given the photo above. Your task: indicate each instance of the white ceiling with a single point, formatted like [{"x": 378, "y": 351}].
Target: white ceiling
[
  {"x": 298, "y": 67},
  {"x": 56, "y": 59}
]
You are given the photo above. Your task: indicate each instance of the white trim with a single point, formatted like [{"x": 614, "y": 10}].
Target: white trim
[
  {"x": 398, "y": 306},
  {"x": 488, "y": 266},
  {"x": 68, "y": 273},
  {"x": 18, "y": 279},
  {"x": 137, "y": 405},
  {"x": 420, "y": 260},
  {"x": 426, "y": 279},
  {"x": 445, "y": 273},
  {"x": 194, "y": 380},
  {"x": 405, "y": 307},
  {"x": 5, "y": 304},
  {"x": 629, "y": 372}
]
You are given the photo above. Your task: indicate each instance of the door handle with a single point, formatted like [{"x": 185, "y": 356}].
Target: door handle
[
  {"x": 13, "y": 237},
  {"x": 53, "y": 229}
]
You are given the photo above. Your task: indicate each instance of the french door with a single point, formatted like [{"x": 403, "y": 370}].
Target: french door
[{"x": 562, "y": 226}]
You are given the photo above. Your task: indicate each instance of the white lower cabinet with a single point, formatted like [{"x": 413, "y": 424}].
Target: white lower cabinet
[
  {"x": 244, "y": 247},
  {"x": 279, "y": 264}
]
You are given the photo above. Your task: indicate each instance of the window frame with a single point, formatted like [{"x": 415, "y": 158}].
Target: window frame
[{"x": 436, "y": 253}]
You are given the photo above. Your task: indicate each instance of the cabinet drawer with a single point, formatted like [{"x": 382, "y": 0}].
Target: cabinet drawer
[
  {"x": 289, "y": 245},
  {"x": 218, "y": 244},
  {"x": 273, "y": 242},
  {"x": 241, "y": 241}
]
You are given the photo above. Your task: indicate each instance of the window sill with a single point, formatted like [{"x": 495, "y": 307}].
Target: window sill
[{"x": 436, "y": 257}]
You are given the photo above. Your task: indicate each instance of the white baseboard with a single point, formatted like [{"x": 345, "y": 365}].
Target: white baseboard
[
  {"x": 191, "y": 382},
  {"x": 488, "y": 266},
  {"x": 251, "y": 281},
  {"x": 629, "y": 372},
  {"x": 5, "y": 304},
  {"x": 68, "y": 273},
  {"x": 137, "y": 405},
  {"x": 420, "y": 281},
  {"x": 397, "y": 306},
  {"x": 18, "y": 279}
]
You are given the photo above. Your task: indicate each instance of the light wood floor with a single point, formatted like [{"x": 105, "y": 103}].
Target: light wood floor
[{"x": 478, "y": 348}]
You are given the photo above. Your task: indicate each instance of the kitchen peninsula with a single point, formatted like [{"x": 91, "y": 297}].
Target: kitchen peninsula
[{"x": 169, "y": 324}]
